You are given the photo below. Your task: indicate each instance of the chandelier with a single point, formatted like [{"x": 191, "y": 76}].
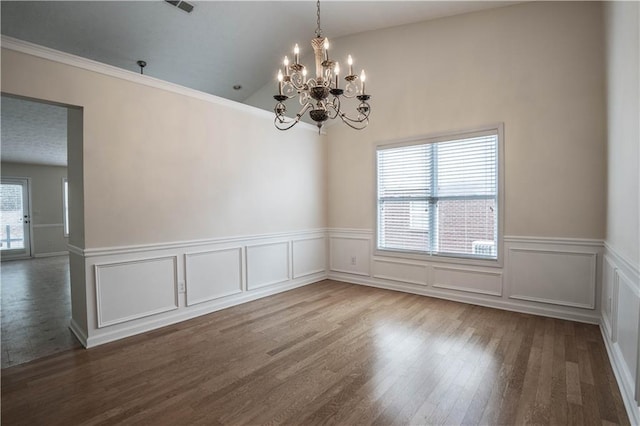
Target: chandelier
[{"x": 320, "y": 96}]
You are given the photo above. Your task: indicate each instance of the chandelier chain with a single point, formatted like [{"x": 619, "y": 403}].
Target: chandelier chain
[{"x": 318, "y": 30}]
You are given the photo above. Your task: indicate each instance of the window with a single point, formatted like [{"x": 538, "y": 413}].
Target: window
[
  {"x": 440, "y": 196},
  {"x": 65, "y": 205}
]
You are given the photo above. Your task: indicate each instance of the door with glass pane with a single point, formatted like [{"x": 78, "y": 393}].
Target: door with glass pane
[{"x": 15, "y": 218}]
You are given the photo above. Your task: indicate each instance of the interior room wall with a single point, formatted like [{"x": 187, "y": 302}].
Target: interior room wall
[
  {"x": 536, "y": 67},
  {"x": 162, "y": 167},
  {"x": 46, "y": 205},
  {"x": 621, "y": 268},
  {"x": 190, "y": 203}
]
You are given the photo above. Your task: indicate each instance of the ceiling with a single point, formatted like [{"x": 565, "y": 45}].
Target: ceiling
[
  {"x": 33, "y": 132},
  {"x": 219, "y": 45}
]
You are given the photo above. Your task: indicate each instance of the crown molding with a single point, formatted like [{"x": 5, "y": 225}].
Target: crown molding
[{"x": 42, "y": 52}]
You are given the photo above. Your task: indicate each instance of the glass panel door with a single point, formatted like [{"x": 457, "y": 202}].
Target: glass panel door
[{"x": 14, "y": 218}]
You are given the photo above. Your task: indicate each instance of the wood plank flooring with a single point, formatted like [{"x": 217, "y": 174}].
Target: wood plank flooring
[
  {"x": 36, "y": 307},
  {"x": 329, "y": 353}
]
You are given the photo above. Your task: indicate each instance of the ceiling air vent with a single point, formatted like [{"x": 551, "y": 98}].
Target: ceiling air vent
[{"x": 187, "y": 7}]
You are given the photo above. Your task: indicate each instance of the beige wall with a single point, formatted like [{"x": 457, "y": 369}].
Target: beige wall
[
  {"x": 537, "y": 67},
  {"x": 162, "y": 167},
  {"x": 623, "y": 112},
  {"x": 46, "y": 204}
]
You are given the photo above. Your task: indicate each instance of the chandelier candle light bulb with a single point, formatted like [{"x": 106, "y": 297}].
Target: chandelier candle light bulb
[
  {"x": 320, "y": 96},
  {"x": 326, "y": 49}
]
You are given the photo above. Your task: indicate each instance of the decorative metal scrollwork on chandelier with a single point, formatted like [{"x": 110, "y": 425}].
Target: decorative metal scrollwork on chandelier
[{"x": 313, "y": 93}]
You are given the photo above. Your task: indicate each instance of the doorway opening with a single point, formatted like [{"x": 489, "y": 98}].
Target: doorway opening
[{"x": 35, "y": 231}]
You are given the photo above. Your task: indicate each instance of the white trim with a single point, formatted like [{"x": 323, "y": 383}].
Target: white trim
[
  {"x": 592, "y": 282},
  {"x": 618, "y": 258},
  {"x": 75, "y": 250},
  {"x": 51, "y": 254},
  {"x": 554, "y": 240},
  {"x": 219, "y": 296},
  {"x": 357, "y": 231},
  {"x": 269, "y": 283},
  {"x": 611, "y": 323},
  {"x": 401, "y": 262},
  {"x": 107, "y": 251},
  {"x": 468, "y": 289},
  {"x": 585, "y": 317},
  {"x": 623, "y": 378},
  {"x": 32, "y": 49},
  {"x": 317, "y": 271},
  {"x": 627, "y": 271},
  {"x": 350, "y": 236},
  {"x": 438, "y": 258},
  {"x": 185, "y": 314},
  {"x": 322, "y": 238},
  {"x": 77, "y": 331},
  {"x": 97, "y": 267}
]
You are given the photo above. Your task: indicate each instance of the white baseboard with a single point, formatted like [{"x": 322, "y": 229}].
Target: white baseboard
[
  {"x": 552, "y": 312},
  {"x": 77, "y": 331},
  {"x": 625, "y": 383},
  {"x": 107, "y": 336}
]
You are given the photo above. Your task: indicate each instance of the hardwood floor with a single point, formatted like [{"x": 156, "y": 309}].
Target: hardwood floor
[
  {"x": 36, "y": 307},
  {"x": 330, "y": 353}
]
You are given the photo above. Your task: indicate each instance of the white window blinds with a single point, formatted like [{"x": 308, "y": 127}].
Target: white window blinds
[{"x": 440, "y": 197}]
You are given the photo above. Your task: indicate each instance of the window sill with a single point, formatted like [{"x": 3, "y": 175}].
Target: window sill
[{"x": 465, "y": 261}]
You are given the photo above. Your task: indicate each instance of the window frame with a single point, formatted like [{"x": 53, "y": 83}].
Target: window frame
[{"x": 498, "y": 129}]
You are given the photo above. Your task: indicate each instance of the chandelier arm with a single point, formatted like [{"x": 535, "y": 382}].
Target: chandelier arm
[
  {"x": 348, "y": 121},
  {"x": 344, "y": 117},
  {"x": 282, "y": 124},
  {"x": 364, "y": 120}
]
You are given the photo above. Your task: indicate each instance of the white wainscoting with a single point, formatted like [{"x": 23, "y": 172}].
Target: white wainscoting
[
  {"x": 620, "y": 325},
  {"x": 609, "y": 295},
  {"x": 400, "y": 270},
  {"x": 135, "y": 289},
  {"x": 350, "y": 251},
  {"x": 559, "y": 277},
  {"x": 545, "y": 276},
  {"x": 470, "y": 280},
  {"x": 309, "y": 256},
  {"x": 267, "y": 264},
  {"x": 212, "y": 274}
]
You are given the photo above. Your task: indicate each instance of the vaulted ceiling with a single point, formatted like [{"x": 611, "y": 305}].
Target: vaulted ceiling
[{"x": 218, "y": 45}]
